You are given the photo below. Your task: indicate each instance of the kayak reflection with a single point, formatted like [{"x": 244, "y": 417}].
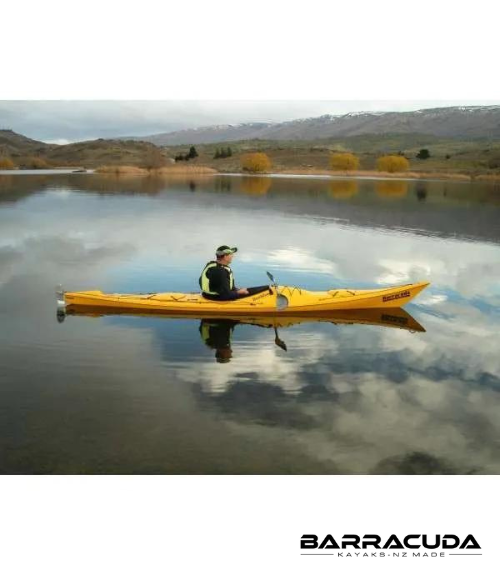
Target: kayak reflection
[{"x": 216, "y": 333}]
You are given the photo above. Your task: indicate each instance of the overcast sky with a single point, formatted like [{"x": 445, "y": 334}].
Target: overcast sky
[{"x": 62, "y": 121}]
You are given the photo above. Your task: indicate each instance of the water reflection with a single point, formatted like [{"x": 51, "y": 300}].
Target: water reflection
[
  {"x": 392, "y": 188},
  {"x": 442, "y": 209},
  {"x": 421, "y": 192},
  {"x": 216, "y": 333},
  {"x": 132, "y": 394},
  {"x": 344, "y": 189},
  {"x": 256, "y": 186}
]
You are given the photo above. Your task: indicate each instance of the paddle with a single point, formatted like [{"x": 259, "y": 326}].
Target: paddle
[
  {"x": 279, "y": 342},
  {"x": 281, "y": 300}
]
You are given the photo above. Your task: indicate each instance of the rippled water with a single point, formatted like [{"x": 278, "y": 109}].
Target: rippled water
[{"x": 138, "y": 394}]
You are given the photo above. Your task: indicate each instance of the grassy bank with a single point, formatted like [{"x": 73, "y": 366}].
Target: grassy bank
[
  {"x": 449, "y": 158},
  {"x": 174, "y": 170}
]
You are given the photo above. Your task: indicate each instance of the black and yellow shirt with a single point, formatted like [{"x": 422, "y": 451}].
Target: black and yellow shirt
[{"x": 217, "y": 280}]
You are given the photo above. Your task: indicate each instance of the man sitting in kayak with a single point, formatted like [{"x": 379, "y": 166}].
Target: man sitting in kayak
[{"x": 217, "y": 281}]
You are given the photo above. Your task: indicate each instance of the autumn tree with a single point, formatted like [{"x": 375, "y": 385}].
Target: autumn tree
[
  {"x": 255, "y": 162},
  {"x": 392, "y": 164},
  {"x": 344, "y": 161},
  {"x": 6, "y": 163}
]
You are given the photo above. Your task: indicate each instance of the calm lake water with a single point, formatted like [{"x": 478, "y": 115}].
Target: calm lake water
[{"x": 133, "y": 394}]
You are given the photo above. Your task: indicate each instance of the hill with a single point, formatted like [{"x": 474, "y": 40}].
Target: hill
[
  {"x": 91, "y": 154},
  {"x": 13, "y": 144},
  {"x": 452, "y": 122},
  {"x": 104, "y": 152}
]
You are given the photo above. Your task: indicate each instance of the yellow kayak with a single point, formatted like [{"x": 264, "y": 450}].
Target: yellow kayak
[
  {"x": 394, "y": 317},
  {"x": 297, "y": 301}
]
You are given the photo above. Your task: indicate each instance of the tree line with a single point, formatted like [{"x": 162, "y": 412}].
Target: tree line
[
  {"x": 223, "y": 153},
  {"x": 191, "y": 155}
]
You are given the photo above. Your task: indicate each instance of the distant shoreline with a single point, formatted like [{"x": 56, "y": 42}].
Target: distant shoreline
[
  {"x": 376, "y": 175},
  {"x": 196, "y": 171}
]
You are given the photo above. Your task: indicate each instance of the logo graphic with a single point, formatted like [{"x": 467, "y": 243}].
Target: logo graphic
[
  {"x": 393, "y": 546},
  {"x": 399, "y": 295}
]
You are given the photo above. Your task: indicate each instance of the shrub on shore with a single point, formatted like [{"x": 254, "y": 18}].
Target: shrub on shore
[
  {"x": 423, "y": 154},
  {"x": 166, "y": 171},
  {"x": 173, "y": 170},
  {"x": 344, "y": 161},
  {"x": 6, "y": 164},
  {"x": 121, "y": 170},
  {"x": 392, "y": 164},
  {"x": 154, "y": 159},
  {"x": 35, "y": 163},
  {"x": 256, "y": 162}
]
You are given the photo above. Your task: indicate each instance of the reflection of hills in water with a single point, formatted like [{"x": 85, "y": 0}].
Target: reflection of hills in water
[{"x": 445, "y": 209}]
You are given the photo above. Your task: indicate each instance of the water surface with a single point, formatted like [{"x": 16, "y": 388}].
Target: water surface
[{"x": 134, "y": 394}]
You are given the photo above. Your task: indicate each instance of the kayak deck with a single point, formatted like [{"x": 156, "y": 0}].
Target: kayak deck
[{"x": 299, "y": 300}]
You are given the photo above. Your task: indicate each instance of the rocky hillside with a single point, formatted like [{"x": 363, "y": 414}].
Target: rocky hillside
[{"x": 466, "y": 122}]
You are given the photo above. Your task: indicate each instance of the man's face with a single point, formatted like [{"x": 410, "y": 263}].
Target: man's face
[{"x": 227, "y": 259}]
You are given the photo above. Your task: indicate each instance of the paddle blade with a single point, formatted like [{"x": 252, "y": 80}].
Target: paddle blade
[
  {"x": 270, "y": 276},
  {"x": 281, "y": 302},
  {"x": 279, "y": 342}
]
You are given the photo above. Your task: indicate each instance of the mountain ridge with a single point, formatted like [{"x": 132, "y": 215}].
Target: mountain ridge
[{"x": 450, "y": 122}]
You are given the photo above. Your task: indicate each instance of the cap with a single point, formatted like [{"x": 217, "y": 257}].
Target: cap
[{"x": 225, "y": 250}]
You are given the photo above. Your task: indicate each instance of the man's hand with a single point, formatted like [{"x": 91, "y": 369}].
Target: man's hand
[{"x": 242, "y": 291}]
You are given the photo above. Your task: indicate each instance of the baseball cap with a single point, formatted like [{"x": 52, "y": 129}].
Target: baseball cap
[{"x": 225, "y": 250}]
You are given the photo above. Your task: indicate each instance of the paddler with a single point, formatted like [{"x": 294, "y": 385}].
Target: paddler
[{"x": 217, "y": 281}]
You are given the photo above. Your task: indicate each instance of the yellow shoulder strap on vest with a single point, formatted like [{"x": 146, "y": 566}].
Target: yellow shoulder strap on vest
[{"x": 204, "y": 281}]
